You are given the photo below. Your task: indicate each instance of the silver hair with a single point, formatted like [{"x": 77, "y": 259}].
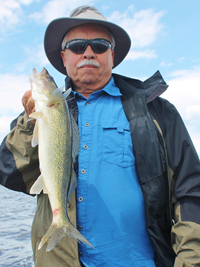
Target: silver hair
[{"x": 64, "y": 41}]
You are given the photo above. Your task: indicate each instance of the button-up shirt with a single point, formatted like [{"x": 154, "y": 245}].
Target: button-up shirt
[{"x": 110, "y": 205}]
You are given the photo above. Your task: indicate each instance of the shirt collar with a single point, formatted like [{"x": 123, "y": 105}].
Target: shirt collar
[{"x": 110, "y": 89}]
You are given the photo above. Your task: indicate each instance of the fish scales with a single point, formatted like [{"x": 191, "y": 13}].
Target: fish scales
[{"x": 57, "y": 149}]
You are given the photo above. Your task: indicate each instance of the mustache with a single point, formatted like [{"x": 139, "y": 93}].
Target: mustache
[{"x": 88, "y": 62}]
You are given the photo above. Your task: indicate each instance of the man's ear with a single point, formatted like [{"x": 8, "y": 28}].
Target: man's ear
[
  {"x": 62, "y": 53},
  {"x": 113, "y": 55}
]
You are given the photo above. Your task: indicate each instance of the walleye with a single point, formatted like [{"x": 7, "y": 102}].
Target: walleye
[{"x": 57, "y": 137}]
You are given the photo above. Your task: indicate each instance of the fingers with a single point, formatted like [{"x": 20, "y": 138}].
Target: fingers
[
  {"x": 28, "y": 103},
  {"x": 26, "y": 96}
]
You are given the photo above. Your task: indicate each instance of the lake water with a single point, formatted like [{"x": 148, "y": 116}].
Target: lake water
[{"x": 16, "y": 215}]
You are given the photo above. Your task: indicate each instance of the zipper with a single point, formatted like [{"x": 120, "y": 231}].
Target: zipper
[{"x": 164, "y": 162}]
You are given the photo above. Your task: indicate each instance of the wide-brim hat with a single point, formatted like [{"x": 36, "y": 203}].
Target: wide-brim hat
[{"x": 58, "y": 28}]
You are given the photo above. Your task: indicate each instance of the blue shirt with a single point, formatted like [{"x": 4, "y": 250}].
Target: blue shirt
[{"x": 110, "y": 205}]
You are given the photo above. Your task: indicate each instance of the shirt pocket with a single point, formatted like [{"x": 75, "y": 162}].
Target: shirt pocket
[{"x": 117, "y": 143}]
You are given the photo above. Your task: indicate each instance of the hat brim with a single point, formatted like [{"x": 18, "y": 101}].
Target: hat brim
[{"x": 58, "y": 28}]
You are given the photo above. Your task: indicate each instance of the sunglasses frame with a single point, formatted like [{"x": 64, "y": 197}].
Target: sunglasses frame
[{"x": 90, "y": 42}]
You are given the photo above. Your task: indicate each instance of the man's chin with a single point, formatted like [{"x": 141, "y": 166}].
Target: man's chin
[
  {"x": 89, "y": 78},
  {"x": 88, "y": 81}
]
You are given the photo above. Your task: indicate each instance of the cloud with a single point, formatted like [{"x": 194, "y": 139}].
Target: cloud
[
  {"x": 27, "y": 2},
  {"x": 165, "y": 64},
  {"x": 143, "y": 26},
  {"x": 135, "y": 54},
  {"x": 184, "y": 93},
  {"x": 33, "y": 56},
  {"x": 5, "y": 125},
  {"x": 11, "y": 13},
  {"x": 193, "y": 112},
  {"x": 181, "y": 59},
  {"x": 57, "y": 8},
  {"x": 12, "y": 88}
]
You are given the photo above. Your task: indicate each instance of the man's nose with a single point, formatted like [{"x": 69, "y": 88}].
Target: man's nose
[{"x": 89, "y": 53}]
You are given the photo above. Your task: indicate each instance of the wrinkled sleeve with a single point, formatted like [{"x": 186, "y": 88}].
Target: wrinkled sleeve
[
  {"x": 185, "y": 168},
  {"x": 19, "y": 166}
]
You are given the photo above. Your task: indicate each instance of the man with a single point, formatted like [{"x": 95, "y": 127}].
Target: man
[{"x": 137, "y": 197}]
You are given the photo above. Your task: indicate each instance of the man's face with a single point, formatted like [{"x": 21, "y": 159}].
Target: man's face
[{"x": 88, "y": 76}]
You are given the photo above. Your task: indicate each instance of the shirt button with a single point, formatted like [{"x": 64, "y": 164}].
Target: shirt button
[
  {"x": 85, "y": 147},
  {"x": 83, "y": 171},
  {"x": 81, "y": 254},
  {"x": 88, "y": 103},
  {"x": 79, "y": 227},
  {"x": 87, "y": 124},
  {"x": 80, "y": 199}
]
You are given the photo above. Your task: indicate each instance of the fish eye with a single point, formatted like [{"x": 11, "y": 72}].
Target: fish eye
[{"x": 50, "y": 78}]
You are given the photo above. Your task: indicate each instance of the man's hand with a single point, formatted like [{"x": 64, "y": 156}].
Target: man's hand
[{"x": 28, "y": 103}]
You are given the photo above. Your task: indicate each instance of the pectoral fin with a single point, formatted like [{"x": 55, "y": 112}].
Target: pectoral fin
[
  {"x": 38, "y": 186},
  {"x": 36, "y": 115},
  {"x": 35, "y": 138}
]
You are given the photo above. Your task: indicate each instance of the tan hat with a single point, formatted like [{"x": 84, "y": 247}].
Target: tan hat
[{"x": 58, "y": 28}]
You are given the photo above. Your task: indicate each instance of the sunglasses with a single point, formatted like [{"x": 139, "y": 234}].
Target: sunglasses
[{"x": 79, "y": 46}]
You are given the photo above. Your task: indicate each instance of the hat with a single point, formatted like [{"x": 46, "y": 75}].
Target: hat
[{"x": 58, "y": 28}]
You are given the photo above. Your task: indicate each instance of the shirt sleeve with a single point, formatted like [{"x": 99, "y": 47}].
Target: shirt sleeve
[{"x": 19, "y": 166}]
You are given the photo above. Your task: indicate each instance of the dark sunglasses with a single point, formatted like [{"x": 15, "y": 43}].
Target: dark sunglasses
[{"x": 79, "y": 46}]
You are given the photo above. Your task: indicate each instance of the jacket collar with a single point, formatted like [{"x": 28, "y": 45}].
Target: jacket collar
[{"x": 152, "y": 87}]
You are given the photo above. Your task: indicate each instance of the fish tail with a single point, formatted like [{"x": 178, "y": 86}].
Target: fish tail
[
  {"x": 56, "y": 233},
  {"x": 72, "y": 232}
]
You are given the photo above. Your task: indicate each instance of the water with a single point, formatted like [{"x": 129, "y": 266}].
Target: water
[{"x": 16, "y": 215}]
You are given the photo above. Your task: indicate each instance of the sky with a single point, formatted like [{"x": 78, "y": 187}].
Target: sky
[{"x": 165, "y": 36}]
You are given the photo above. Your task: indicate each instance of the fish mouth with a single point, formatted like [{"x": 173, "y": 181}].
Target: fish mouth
[
  {"x": 44, "y": 72},
  {"x": 42, "y": 76},
  {"x": 35, "y": 71}
]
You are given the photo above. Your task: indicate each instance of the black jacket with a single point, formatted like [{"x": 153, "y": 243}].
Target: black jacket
[{"x": 166, "y": 161}]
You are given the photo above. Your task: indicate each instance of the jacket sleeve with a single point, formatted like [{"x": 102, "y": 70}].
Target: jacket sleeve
[
  {"x": 19, "y": 166},
  {"x": 184, "y": 167}
]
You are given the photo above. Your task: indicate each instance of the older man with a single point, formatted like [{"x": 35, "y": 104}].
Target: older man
[{"x": 139, "y": 175}]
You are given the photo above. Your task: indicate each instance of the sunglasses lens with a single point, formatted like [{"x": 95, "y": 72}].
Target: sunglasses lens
[
  {"x": 77, "y": 46},
  {"x": 100, "y": 46}
]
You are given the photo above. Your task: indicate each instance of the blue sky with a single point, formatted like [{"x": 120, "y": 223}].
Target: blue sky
[{"x": 165, "y": 36}]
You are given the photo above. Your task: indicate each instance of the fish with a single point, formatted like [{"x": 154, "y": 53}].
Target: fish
[{"x": 57, "y": 136}]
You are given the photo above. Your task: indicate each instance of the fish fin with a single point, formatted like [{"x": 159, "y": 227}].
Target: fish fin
[
  {"x": 62, "y": 89},
  {"x": 38, "y": 186},
  {"x": 56, "y": 232},
  {"x": 55, "y": 97},
  {"x": 75, "y": 139},
  {"x": 67, "y": 93},
  {"x": 73, "y": 184},
  {"x": 36, "y": 115},
  {"x": 35, "y": 137}
]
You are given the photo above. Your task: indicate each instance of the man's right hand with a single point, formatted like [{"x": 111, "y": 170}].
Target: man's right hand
[{"x": 28, "y": 103}]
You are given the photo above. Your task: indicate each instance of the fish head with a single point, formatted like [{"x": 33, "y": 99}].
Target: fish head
[{"x": 41, "y": 84}]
